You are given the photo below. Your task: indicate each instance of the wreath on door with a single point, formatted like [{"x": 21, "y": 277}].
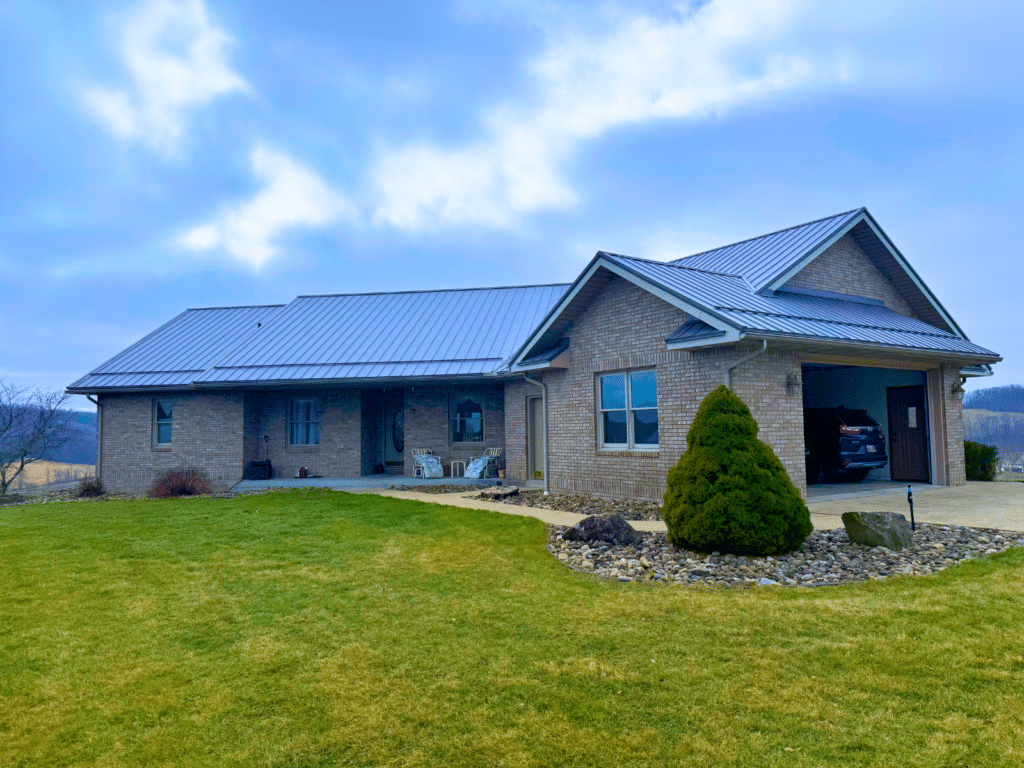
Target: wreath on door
[{"x": 398, "y": 431}]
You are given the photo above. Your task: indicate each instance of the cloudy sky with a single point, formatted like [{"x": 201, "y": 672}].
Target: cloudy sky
[{"x": 166, "y": 154}]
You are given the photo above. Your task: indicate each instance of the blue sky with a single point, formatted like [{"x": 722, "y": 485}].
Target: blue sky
[{"x": 178, "y": 153}]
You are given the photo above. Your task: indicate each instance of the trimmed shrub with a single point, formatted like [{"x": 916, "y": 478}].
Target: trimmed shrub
[
  {"x": 981, "y": 460},
  {"x": 180, "y": 482},
  {"x": 89, "y": 488},
  {"x": 729, "y": 492}
]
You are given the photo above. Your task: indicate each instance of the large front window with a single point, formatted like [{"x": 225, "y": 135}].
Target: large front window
[
  {"x": 628, "y": 410},
  {"x": 303, "y": 423},
  {"x": 467, "y": 418}
]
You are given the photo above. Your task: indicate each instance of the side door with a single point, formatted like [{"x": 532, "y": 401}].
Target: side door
[{"x": 908, "y": 434}]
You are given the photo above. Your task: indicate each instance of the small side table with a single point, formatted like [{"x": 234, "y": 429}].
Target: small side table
[{"x": 462, "y": 464}]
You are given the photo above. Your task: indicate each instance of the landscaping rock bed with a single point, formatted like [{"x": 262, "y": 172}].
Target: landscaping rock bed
[
  {"x": 585, "y": 505},
  {"x": 826, "y": 557},
  {"x": 447, "y": 488}
]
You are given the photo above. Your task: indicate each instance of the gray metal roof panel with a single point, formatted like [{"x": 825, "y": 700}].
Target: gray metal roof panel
[
  {"x": 760, "y": 259},
  {"x": 547, "y": 355},
  {"x": 797, "y": 314},
  {"x": 405, "y": 329},
  {"x": 693, "y": 329},
  {"x": 180, "y": 349}
]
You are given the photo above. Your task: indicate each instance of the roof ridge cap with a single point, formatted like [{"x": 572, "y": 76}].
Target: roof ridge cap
[
  {"x": 431, "y": 290},
  {"x": 675, "y": 265},
  {"x": 769, "y": 234}
]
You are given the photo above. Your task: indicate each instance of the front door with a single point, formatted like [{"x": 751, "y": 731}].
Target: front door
[
  {"x": 535, "y": 437},
  {"x": 908, "y": 434},
  {"x": 394, "y": 430}
]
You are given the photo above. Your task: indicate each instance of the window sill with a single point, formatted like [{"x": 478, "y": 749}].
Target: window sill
[
  {"x": 304, "y": 448},
  {"x": 651, "y": 453},
  {"x": 162, "y": 448}
]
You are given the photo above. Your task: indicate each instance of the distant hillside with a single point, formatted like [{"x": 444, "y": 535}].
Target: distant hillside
[
  {"x": 1009, "y": 398},
  {"x": 999, "y": 428},
  {"x": 81, "y": 448}
]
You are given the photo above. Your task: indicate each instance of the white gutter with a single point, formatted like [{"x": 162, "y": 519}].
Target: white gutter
[
  {"x": 99, "y": 436},
  {"x": 544, "y": 406},
  {"x": 742, "y": 360}
]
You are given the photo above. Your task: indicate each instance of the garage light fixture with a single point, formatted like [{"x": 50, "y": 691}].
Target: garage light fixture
[{"x": 793, "y": 384}]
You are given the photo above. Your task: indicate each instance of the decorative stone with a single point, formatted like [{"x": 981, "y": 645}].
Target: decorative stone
[
  {"x": 496, "y": 492},
  {"x": 613, "y": 529},
  {"x": 878, "y": 529}
]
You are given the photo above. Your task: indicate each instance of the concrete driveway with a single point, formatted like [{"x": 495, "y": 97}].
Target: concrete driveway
[{"x": 979, "y": 505}]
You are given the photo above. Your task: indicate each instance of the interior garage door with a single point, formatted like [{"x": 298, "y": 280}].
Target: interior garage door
[{"x": 908, "y": 436}]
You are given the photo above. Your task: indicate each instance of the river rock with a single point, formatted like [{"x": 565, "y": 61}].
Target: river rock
[
  {"x": 614, "y": 529},
  {"x": 878, "y": 529}
]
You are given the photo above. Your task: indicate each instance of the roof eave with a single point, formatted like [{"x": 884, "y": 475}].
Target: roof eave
[{"x": 603, "y": 261}]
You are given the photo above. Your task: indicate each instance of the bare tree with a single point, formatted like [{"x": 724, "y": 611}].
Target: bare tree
[{"x": 33, "y": 423}]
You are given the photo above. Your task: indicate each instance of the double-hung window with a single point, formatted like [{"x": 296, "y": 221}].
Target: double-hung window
[
  {"x": 467, "y": 418},
  {"x": 303, "y": 423},
  {"x": 628, "y": 410},
  {"x": 163, "y": 422}
]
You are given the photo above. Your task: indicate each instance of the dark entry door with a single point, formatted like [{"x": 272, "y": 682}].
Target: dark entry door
[{"x": 908, "y": 434}]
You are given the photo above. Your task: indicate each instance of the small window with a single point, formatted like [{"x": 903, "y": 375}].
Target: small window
[
  {"x": 628, "y": 410},
  {"x": 163, "y": 413},
  {"x": 303, "y": 423},
  {"x": 467, "y": 419}
]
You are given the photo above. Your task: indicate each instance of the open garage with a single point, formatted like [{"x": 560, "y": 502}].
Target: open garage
[{"x": 896, "y": 399}]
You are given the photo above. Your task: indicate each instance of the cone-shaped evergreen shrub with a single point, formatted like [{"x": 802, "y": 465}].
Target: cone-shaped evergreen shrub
[{"x": 729, "y": 492}]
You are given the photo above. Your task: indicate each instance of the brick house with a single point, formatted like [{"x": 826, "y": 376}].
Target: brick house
[{"x": 588, "y": 387}]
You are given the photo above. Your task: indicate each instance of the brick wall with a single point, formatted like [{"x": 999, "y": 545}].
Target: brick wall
[
  {"x": 954, "y": 418},
  {"x": 624, "y": 328},
  {"x": 339, "y": 451},
  {"x": 845, "y": 268},
  {"x": 207, "y": 433},
  {"x": 427, "y": 425}
]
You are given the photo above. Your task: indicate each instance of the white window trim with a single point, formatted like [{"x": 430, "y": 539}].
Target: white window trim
[
  {"x": 157, "y": 445},
  {"x": 630, "y": 445},
  {"x": 315, "y": 417}
]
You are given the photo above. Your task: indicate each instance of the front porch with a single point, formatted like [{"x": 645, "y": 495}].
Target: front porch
[{"x": 356, "y": 483}]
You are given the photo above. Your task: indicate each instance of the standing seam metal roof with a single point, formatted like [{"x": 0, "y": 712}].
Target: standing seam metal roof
[
  {"x": 797, "y": 314},
  {"x": 389, "y": 335},
  {"x": 761, "y": 259}
]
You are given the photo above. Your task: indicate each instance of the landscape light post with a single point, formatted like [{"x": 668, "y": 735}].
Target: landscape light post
[{"x": 910, "y": 501}]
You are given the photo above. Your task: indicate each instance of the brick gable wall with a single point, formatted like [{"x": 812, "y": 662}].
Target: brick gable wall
[
  {"x": 624, "y": 328},
  {"x": 845, "y": 268}
]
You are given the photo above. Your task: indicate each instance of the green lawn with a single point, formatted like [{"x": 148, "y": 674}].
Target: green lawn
[{"x": 319, "y": 628}]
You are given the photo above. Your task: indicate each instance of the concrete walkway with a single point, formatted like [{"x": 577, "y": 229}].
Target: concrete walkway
[{"x": 979, "y": 505}]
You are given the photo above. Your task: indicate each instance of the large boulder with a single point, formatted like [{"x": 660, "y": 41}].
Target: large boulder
[
  {"x": 610, "y": 528},
  {"x": 878, "y": 529},
  {"x": 500, "y": 491}
]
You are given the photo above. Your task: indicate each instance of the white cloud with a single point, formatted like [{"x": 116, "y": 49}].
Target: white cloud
[
  {"x": 292, "y": 196},
  {"x": 176, "y": 60},
  {"x": 695, "y": 64}
]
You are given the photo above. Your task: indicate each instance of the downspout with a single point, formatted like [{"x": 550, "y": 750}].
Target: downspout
[
  {"x": 544, "y": 406},
  {"x": 742, "y": 360},
  {"x": 99, "y": 434}
]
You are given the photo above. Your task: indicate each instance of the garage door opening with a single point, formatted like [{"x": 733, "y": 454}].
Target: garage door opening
[{"x": 852, "y": 415}]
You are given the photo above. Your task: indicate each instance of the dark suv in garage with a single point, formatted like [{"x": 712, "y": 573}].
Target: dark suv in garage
[{"x": 842, "y": 443}]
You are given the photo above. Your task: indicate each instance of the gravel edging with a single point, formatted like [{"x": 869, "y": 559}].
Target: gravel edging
[
  {"x": 582, "y": 505},
  {"x": 826, "y": 557}
]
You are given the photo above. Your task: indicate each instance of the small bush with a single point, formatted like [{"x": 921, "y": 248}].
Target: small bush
[
  {"x": 180, "y": 482},
  {"x": 89, "y": 488},
  {"x": 981, "y": 460},
  {"x": 729, "y": 492}
]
